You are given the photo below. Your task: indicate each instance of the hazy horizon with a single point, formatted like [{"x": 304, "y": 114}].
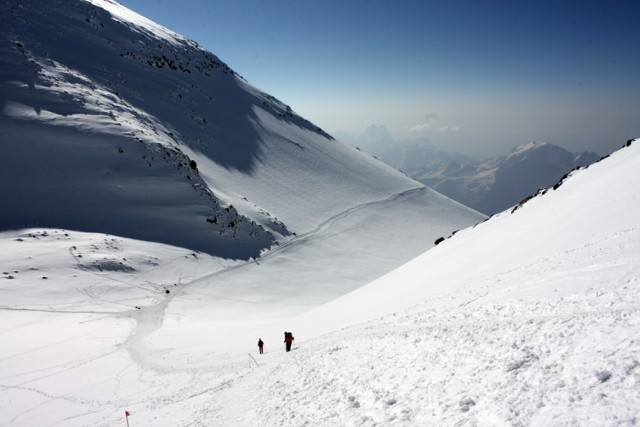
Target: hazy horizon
[{"x": 477, "y": 78}]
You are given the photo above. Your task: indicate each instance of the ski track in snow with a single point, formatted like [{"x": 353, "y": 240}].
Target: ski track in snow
[
  {"x": 149, "y": 319},
  {"x": 327, "y": 223}
]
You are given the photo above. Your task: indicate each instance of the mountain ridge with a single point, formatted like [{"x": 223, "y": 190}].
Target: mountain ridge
[
  {"x": 139, "y": 112},
  {"x": 489, "y": 186}
]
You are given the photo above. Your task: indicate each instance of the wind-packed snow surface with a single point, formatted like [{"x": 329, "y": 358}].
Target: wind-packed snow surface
[{"x": 528, "y": 318}]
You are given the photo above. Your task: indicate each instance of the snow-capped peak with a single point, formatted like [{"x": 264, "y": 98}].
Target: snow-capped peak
[
  {"x": 139, "y": 23},
  {"x": 529, "y": 146}
]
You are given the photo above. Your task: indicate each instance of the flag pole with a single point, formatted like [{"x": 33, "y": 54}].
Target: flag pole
[
  {"x": 252, "y": 359},
  {"x": 126, "y": 417}
]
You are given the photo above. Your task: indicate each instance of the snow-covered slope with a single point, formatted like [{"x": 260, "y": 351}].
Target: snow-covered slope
[
  {"x": 530, "y": 318},
  {"x": 590, "y": 209},
  {"x": 114, "y": 124},
  {"x": 156, "y": 204}
]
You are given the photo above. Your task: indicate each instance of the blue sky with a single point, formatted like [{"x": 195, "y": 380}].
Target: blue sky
[{"x": 477, "y": 77}]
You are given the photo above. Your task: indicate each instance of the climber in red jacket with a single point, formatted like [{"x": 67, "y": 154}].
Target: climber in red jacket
[{"x": 288, "y": 340}]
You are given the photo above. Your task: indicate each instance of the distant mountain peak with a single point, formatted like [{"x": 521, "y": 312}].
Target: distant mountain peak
[
  {"x": 377, "y": 132},
  {"x": 489, "y": 186},
  {"x": 528, "y": 146},
  {"x": 375, "y": 139}
]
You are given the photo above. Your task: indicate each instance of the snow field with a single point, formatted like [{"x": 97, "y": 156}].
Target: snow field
[
  {"x": 565, "y": 361},
  {"x": 64, "y": 271},
  {"x": 477, "y": 331},
  {"x": 573, "y": 235},
  {"x": 342, "y": 254},
  {"x": 529, "y": 318}
]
